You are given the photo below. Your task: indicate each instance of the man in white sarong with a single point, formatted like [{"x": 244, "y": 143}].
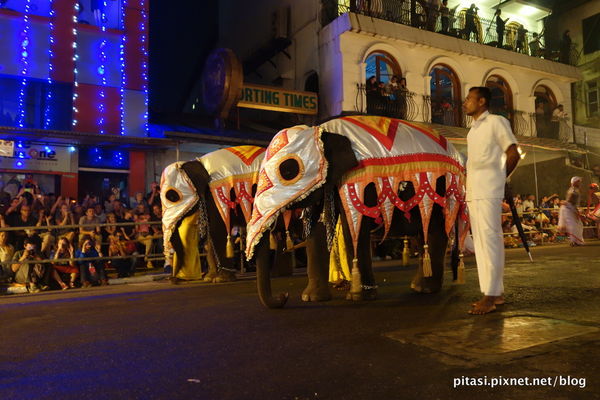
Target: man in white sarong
[
  {"x": 569, "y": 219},
  {"x": 492, "y": 156}
]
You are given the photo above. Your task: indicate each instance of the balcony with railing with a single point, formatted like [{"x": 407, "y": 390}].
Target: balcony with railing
[
  {"x": 514, "y": 37},
  {"x": 406, "y": 105}
]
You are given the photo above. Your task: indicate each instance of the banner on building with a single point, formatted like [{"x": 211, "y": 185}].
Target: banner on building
[
  {"x": 278, "y": 99},
  {"x": 7, "y": 148}
]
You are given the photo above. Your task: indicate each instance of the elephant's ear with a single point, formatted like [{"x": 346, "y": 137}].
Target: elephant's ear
[
  {"x": 339, "y": 154},
  {"x": 197, "y": 174}
]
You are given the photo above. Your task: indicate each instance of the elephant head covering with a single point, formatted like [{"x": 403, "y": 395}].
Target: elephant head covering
[
  {"x": 233, "y": 168},
  {"x": 178, "y": 195},
  {"x": 294, "y": 166}
]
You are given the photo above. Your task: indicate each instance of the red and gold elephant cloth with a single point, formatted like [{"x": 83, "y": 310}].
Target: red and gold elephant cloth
[
  {"x": 392, "y": 151},
  {"x": 389, "y": 152},
  {"x": 233, "y": 168}
]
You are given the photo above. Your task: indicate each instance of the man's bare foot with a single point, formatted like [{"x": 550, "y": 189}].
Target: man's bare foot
[
  {"x": 498, "y": 301},
  {"x": 484, "y": 306}
]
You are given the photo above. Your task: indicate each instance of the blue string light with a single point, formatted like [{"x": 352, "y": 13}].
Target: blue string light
[
  {"x": 25, "y": 42},
  {"x": 47, "y": 117},
  {"x": 102, "y": 70},
  {"x": 75, "y": 59},
  {"x": 122, "y": 60},
  {"x": 144, "y": 50}
]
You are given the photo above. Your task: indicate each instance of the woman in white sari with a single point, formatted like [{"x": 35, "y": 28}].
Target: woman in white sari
[{"x": 569, "y": 219}]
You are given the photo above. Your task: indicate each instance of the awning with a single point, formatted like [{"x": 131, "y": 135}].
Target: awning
[{"x": 84, "y": 138}]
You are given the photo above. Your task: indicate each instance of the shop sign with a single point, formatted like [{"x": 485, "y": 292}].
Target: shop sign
[
  {"x": 7, "y": 148},
  {"x": 38, "y": 158},
  {"x": 277, "y": 99}
]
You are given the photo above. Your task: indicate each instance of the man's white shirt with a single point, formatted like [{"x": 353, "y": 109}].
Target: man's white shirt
[{"x": 489, "y": 138}]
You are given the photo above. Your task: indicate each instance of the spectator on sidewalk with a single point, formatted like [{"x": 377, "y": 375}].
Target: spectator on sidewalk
[
  {"x": 34, "y": 275},
  {"x": 99, "y": 211},
  {"x": 6, "y": 255},
  {"x": 24, "y": 219},
  {"x": 153, "y": 197},
  {"x": 64, "y": 217},
  {"x": 89, "y": 226},
  {"x": 90, "y": 270},
  {"x": 64, "y": 249}
]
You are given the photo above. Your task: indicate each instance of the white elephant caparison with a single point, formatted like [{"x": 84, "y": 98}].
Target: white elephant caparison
[
  {"x": 403, "y": 173},
  {"x": 206, "y": 197}
]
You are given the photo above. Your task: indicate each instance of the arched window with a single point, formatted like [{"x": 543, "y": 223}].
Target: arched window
[
  {"x": 384, "y": 94},
  {"x": 502, "y": 101},
  {"x": 545, "y": 103},
  {"x": 445, "y": 96},
  {"x": 382, "y": 66}
]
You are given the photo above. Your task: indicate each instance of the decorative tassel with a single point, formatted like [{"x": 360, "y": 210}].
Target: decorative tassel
[
  {"x": 272, "y": 241},
  {"x": 289, "y": 244},
  {"x": 229, "y": 248},
  {"x": 427, "y": 271},
  {"x": 356, "y": 280},
  {"x": 460, "y": 278},
  {"x": 405, "y": 253}
]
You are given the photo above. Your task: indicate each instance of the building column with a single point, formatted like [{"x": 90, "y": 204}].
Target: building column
[{"x": 137, "y": 172}]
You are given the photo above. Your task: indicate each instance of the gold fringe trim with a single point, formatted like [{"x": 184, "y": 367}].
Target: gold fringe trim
[{"x": 427, "y": 271}]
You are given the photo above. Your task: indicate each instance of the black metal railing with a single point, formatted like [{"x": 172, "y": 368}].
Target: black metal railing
[
  {"x": 410, "y": 106},
  {"x": 418, "y": 15}
]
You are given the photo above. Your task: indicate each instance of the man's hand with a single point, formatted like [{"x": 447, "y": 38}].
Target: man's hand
[{"x": 512, "y": 158}]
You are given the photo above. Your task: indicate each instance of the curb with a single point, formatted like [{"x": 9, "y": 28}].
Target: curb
[{"x": 8, "y": 290}]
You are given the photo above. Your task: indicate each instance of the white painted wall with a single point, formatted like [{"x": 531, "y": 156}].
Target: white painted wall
[{"x": 347, "y": 42}]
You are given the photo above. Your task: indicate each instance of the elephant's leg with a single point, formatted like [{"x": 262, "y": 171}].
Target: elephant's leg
[
  {"x": 212, "y": 262},
  {"x": 368, "y": 287},
  {"x": 318, "y": 265},
  {"x": 437, "y": 241},
  {"x": 216, "y": 254}
]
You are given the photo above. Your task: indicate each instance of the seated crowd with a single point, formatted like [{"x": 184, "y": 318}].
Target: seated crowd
[
  {"x": 72, "y": 239},
  {"x": 539, "y": 221}
]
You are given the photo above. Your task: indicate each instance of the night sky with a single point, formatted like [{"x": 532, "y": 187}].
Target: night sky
[{"x": 182, "y": 34}]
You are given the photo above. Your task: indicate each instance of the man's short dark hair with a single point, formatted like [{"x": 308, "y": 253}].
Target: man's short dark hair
[{"x": 484, "y": 92}]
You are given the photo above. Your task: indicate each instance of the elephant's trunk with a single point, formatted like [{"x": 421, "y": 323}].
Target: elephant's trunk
[{"x": 264, "y": 262}]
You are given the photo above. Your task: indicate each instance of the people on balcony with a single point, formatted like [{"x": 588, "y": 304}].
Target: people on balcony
[
  {"x": 500, "y": 26},
  {"x": 535, "y": 46},
  {"x": 470, "y": 26},
  {"x": 520, "y": 45},
  {"x": 445, "y": 16},
  {"x": 565, "y": 47}
]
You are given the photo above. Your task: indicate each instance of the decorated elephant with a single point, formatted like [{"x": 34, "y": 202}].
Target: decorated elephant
[
  {"x": 404, "y": 175},
  {"x": 202, "y": 200}
]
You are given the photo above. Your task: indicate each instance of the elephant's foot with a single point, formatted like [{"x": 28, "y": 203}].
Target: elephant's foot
[
  {"x": 363, "y": 295},
  {"x": 316, "y": 293},
  {"x": 174, "y": 280},
  {"x": 225, "y": 276},
  {"x": 426, "y": 285},
  {"x": 210, "y": 277}
]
